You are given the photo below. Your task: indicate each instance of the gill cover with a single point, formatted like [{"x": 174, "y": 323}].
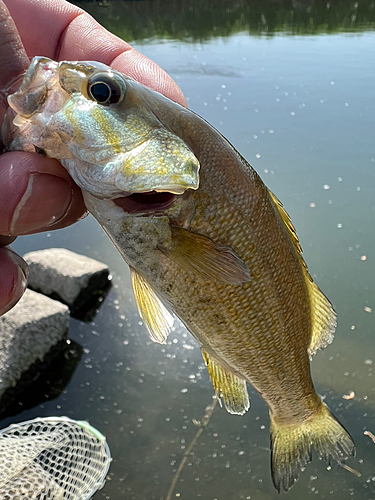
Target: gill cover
[{"x": 97, "y": 123}]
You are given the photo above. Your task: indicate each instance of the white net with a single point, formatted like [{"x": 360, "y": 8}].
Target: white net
[{"x": 52, "y": 459}]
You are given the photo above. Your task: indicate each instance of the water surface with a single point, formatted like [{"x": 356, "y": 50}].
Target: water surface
[{"x": 292, "y": 87}]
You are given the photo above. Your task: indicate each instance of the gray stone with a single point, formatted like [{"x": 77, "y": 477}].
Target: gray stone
[
  {"x": 65, "y": 275},
  {"x": 27, "y": 333}
]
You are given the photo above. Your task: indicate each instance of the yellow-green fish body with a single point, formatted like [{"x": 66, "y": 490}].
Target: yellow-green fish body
[{"x": 218, "y": 251}]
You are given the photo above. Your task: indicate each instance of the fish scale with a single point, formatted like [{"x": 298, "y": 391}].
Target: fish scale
[
  {"x": 255, "y": 295},
  {"x": 204, "y": 239}
]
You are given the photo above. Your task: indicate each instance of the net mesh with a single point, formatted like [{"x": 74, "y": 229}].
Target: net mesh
[{"x": 52, "y": 459}]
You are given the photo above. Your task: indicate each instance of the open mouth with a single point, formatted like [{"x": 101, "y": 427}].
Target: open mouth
[{"x": 145, "y": 202}]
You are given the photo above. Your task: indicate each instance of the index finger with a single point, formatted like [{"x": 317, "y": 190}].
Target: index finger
[{"x": 60, "y": 30}]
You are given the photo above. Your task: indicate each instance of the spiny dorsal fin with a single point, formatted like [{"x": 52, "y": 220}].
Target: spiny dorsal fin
[
  {"x": 199, "y": 254},
  {"x": 156, "y": 317},
  {"x": 323, "y": 317},
  {"x": 287, "y": 221},
  {"x": 228, "y": 387}
]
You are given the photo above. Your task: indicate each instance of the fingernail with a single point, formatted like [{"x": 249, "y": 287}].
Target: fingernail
[
  {"x": 45, "y": 202},
  {"x": 19, "y": 281}
]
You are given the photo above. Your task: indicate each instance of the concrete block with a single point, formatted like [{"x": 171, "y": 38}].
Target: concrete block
[
  {"x": 65, "y": 275},
  {"x": 27, "y": 334}
]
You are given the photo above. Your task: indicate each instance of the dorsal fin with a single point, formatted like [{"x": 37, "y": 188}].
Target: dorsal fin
[
  {"x": 323, "y": 317},
  {"x": 156, "y": 317},
  {"x": 287, "y": 221},
  {"x": 227, "y": 386}
]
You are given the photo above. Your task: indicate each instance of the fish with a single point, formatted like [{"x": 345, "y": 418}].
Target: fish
[{"x": 206, "y": 242}]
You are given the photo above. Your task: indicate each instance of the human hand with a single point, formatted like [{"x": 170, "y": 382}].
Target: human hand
[{"x": 36, "y": 193}]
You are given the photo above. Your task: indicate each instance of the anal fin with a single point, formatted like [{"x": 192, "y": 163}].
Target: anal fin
[
  {"x": 155, "y": 316},
  {"x": 228, "y": 387}
]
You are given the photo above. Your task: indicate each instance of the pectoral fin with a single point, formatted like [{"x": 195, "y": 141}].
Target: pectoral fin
[
  {"x": 201, "y": 255},
  {"x": 156, "y": 317},
  {"x": 228, "y": 387}
]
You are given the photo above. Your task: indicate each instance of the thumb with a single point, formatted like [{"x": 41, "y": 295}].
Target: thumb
[
  {"x": 14, "y": 275},
  {"x": 13, "y": 57}
]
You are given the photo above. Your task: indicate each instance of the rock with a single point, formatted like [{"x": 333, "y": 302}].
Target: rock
[
  {"x": 27, "y": 333},
  {"x": 65, "y": 275},
  {"x": 44, "y": 380}
]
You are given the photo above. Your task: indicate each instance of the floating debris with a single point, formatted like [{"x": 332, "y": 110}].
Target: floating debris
[
  {"x": 368, "y": 309},
  {"x": 370, "y": 435},
  {"x": 202, "y": 424},
  {"x": 363, "y": 257},
  {"x": 351, "y": 395},
  {"x": 349, "y": 469}
]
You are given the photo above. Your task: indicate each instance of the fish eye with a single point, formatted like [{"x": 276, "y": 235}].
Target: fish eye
[{"x": 105, "y": 89}]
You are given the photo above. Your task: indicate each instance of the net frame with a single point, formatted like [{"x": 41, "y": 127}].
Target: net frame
[{"x": 34, "y": 445}]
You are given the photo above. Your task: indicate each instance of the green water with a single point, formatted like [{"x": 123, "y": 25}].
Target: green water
[{"x": 292, "y": 87}]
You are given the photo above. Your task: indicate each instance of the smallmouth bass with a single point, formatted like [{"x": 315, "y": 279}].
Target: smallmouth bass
[{"x": 204, "y": 238}]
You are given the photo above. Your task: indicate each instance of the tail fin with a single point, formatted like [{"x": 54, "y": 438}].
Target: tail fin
[{"x": 291, "y": 445}]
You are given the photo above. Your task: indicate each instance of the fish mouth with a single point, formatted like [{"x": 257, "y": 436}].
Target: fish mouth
[{"x": 145, "y": 203}]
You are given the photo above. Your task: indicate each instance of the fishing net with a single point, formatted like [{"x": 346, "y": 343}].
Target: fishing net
[{"x": 52, "y": 459}]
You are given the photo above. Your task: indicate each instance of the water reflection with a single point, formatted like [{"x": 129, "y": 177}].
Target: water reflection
[
  {"x": 206, "y": 19},
  {"x": 302, "y": 111}
]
